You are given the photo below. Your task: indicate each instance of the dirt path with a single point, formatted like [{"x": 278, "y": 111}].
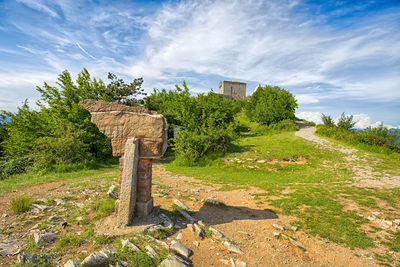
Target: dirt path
[{"x": 360, "y": 163}]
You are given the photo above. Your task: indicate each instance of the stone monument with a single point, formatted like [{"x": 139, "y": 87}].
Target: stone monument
[{"x": 138, "y": 136}]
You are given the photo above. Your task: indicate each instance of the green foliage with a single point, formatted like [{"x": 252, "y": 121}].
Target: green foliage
[
  {"x": 377, "y": 139},
  {"x": 270, "y": 105},
  {"x": 21, "y": 203},
  {"x": 104, "y": 207},
  {"x": 327, "y": 120},
  {"x": 273, "y": 128},
  {"x": 60, "y": 133},
  {"x": 198, "y": 124},
  {"x": 346, "y": 122},
  {"x": 68, "y": 241}
]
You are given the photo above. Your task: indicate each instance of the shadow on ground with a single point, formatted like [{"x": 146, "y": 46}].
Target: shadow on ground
[{"x": 214, "y": 215}]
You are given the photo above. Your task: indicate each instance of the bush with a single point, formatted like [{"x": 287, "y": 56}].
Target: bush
[
  {"x": 375, "y": 138},
  {"x": 20, "y": 204},
  {"x": 198, "y": 124},
  {"x": 270, "y": 105},
  {"x": 346, "y": 122},
  {"x": 282, "y": 126},
  {"x": 327, "y": 120}
]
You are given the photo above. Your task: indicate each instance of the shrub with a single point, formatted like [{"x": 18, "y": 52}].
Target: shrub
[
  {"x": 21, "y": 203},
  {"x": 282, "y": 126},
  {"x": 270, "y": 105},
  {"x": 198, "y": 124},
  {"x": 346, "y": 122},
  {"x": 327, "y": 120}
]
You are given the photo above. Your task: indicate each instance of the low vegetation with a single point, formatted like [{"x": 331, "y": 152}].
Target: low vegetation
[
  {"x": 21, "y": 203},
  {"x": 376, "y": 139}
]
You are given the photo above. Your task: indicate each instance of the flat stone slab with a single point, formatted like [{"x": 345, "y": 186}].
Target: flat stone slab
[{"x": 120, "y": 122}]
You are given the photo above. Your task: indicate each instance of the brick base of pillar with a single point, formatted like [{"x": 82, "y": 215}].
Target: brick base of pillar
[{"x": 144, "y": 201}]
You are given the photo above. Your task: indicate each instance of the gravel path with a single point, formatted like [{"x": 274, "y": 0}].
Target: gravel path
[
  {"x": 307, "y": 132},
  {"x": 364, "y": 174}
]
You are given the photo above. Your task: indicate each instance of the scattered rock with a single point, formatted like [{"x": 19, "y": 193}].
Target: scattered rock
[
  {"x": 232, "y": 247},
  {"x": 297, "y": 244},
  {"x": 201, "y": 223},
  {"x": 38, "y": 208},
  {"x": 99, "y": 258},
  {"x": 218, "y": 234},
  {"x": 197, "y": 230},
  {"x": 44, "y": 237},
  {"x": 376, "y": 213},
  {"x": 214, "y": 202},
  {"x": 59, "y": 201},
  {"x": 197, "y": 244},
  {"x": 179, "y": 236},
  {"x": 276, "y": 234},
  {"x": 71, "y": 263},
  {"x": 25, "y": 258},
  {"x": 186, "y": 215},
  {"x": 167, "y": 222},
  {"x": 294, "y": 228},
  {"x": 238, "y": 263},
  {"x": 54, "y": 218},
  {"x": 174, "y": 261},
  {"x": 181, "y": 204},
  {"x": 280, "y": 227},
  {"x": 371, "y": 218},
  {"x": 9, "y": 247},
  {"x": 181, "y": 249},
  {"x": 80, "y": 218},
  {"x": 129, "y": 245},
  {"x": 112, "y": 193},
  {"x": 151, "y": 252},
  {"x": 261, "y": 161},
  {"x": 397, "y": 222}
]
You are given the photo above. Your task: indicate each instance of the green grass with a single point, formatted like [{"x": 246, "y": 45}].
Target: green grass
[
  {"x": 319, "y": 186},
  {"x": 20, "y": 203},
  {"x": 18, "y": 182}
]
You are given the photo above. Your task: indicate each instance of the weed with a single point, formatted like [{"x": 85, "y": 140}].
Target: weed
[
  {"x": 21, "y": 203},
  {"x": 67, "y": 241}
]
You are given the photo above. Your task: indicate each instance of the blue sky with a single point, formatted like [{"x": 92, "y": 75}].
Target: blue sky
[{"x": 335, "y": 56}]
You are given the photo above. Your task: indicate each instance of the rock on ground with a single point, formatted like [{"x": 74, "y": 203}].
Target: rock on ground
[
  {"x": 9, "y": 247},
  {"x": 99, "y": 258},
  {"x": 129, "y": 245},
  {"x": 151, "y": 252},
  {"x": 46, "y": 237},
  {"x": 111, "y": 192},
  {"x": 174, "y": 261},
  {"x": 232, "y": 247},
  {"x": 71, "y": 263},
  {"x": 181, "y": 249},
  {"x": 181, "y": 204}
]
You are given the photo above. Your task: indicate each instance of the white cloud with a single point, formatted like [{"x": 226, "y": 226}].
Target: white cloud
[
  {"x": 310, "y": 116},
  {"x": 36, "y": 4},
  {"x": 306, "y": 99}
]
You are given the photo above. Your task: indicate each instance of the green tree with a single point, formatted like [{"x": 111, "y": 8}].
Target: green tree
[
  {"x": 327, "y": 120},
  {"x": 270, "y": 105},
  {"x": 346, "y": 122},
  {"x": 61, "y": 131},
  {"x": 198, "y": 124}
]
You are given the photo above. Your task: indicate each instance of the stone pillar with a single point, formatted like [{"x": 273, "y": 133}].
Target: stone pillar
[
  {"x": 121, "y": 169},
  {"x": 144, "y": 201},
  {"x": 127, "y": 191}
]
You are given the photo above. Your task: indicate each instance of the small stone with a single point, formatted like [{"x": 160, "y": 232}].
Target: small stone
[
  {"x": 44, "y": 237},
  {"x": 232, "y": 247},
  {"x": 297, "y": 244},
  {"x": 397, "y": 222},
  {"x": 276, "y": 234},
  {"x": 71, "y": 263},
  {"x": 181, "y": 204},
  {"x": 177, "y": 226},
  {"x": 151, "y": 252},
  {"x": 112, "y": 193},
  {"x": 79, "y": 205},
  {"x": 25, "y": 257},
  {"x": 38, "y": 208},
  {"x": 371, "y": 218},
  {"x": 167, "y": 222},
  {"x": 59, "y": 201},
  {"x": 197, "y": 244},
  {"x": 174, "y": 261},
  {"x": 186, "y": 215},
  {"x": 181, "y": 249},
  {"x": 280, "y": 227},
  {"x": 99, "y": 258},
  {"x": 261, "y": 161},
  {"x": 179, "y": 236},
  {"x": 54, "y": 218},
  {"x": 238, "y": 263},
  {"x": 376, "y": 213},
  {"x": 201, "y": 223},
  {"x": 129, "y": 245},
  {"x": 224, "y": 261},
  {"x": 218, "y": 234},
  {"x": 294, "y": 228},
  {"x": 80, "y": 218},
  {"x": 9, "y": 247}
]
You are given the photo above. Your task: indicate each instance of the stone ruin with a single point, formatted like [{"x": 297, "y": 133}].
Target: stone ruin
[{"x": 138, "y": 136}]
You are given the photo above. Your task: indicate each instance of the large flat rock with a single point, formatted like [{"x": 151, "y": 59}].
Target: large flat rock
[{"x": 120, "y": 122}]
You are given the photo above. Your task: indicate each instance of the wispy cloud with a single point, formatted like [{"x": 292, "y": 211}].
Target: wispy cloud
[
  {"x": 84, "y": 51},
  {"x": 38, "y": 5}
]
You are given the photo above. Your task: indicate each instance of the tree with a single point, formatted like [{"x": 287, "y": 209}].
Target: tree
[
  {"x": 61, "y": 131},
  {"x": 346, "y": 122},
  {"x": 270, "y": 105},
  {"x": 327, "y": 120}
]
